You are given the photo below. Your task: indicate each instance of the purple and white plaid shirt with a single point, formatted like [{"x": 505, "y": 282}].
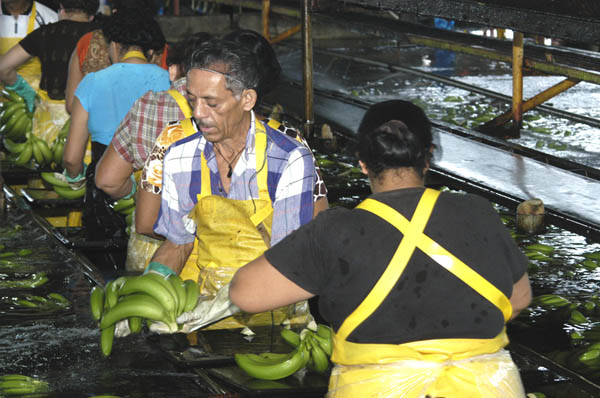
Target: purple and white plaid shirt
[
  {"x": 291, "y": 181},
  {"x": 149, "y": 115}
]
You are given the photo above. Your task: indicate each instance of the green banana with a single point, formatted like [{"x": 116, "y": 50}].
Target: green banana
[
  {"x": 177, "y": 284},
  {"x": 69, "y": 193},
  {"x": 123, "y": 204},
  {"x": 191, "y": 294},
  {"x": 111, "y": 290},
  {"x": 9, "y": 111},
  {"x": 552, "y": 300},
  {"x": 107, "y": 336},
  {"x": 127, "y": 211},
  {"x": 26, "y": 303},
  {"x": 24, "y": 252},
  {"x": 167, "y": 285},
  {"x": 13, "y": 96},
  {"x": 153, "y": 288},
  {"x": 64, "y": 130},
  {"x": 52, "y": 180},
  {"x": 37, "y": 153},
  {"x": 59, "y": 299},
  {"x": 129, "y": 219},
  {"x": 45, "y": 149},
  {"x": 274, "y": 369},
  {"x": 137, "y": 305},
  {"x": 290, "y": 337},
  {"x": 12, "y": 121},
  {"x": 577, "y": 318},
  {"x": 13, "y": 147},
  {"x": 320, "y": 360},
  {"x": 57, "y": 152},
  {"x": 25, "y": 155},
  {"x": 135, "y": 324},
  {"x": 325, "y": 343},
  {"x": 540, "y": 248},
  {"x": 97, "y": 302}
]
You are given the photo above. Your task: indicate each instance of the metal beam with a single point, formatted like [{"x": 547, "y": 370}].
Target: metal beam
[{"x": 307, "y": 62}]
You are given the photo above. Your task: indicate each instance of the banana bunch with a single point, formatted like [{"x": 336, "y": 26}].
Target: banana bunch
[
  {"x": 15, "y": 119},
  {"x": 21, "y": 153},
  {"x": 61, "y": 187},
  {"x": 20, "y": 253},
  {"x": 14, "y": 385},
  {"x": 33, "y": 281},
  {"x": 149, "y": 296},
  {"x": 539, "y": 251},
  {"x": 551, "y": 301},
  {"x": 53, "y": 301},
  {"x": 311, "y": 349}
]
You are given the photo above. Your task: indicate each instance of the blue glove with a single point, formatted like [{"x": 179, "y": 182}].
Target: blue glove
[
  {"x": 23, "y": 88},
  {"x": 78, "y": 181},
  {"x": 159, "y": 268},
  {"x": 133, "y": 187}
]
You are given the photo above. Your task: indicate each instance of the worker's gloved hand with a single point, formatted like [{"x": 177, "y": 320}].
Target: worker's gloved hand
[
  {"x": 23, "y": 88},
  {"x": 208, "y": 310},
  {"x": 158, "y": 268},
  {"x": 76, "y": 182},
  {"x": 122, "y": 328}
]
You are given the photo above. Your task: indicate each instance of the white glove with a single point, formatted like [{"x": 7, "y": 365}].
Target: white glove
[
  {"x": 122, "y": 328},
  {"x": 208, "y": 310}
]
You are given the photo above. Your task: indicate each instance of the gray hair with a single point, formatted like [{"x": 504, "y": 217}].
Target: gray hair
[{"x": 237, "y": 64}]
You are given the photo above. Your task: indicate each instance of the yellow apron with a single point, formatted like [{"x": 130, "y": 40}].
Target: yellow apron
[
  {"x": 449, "y": 368},
  {"x": 32, "y": 69},
  {"x": 231, "y": 233},
  {"x": 141, "y": 248}
]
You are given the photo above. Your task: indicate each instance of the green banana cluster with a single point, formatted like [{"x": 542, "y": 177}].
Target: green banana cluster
[
  {"x": 312, "y": 349},
  {"x": 15, "y": 119},
  {"x": 16, "y": 385},
  {"x": 33, "y": 281},
  {"x": 61, "y": 187},
  {"x": 135, "y": 298},
  {"x": 124, "y": 206},
  {"x": 551, "y": 301},
  {"x": 539, "y": 251},
  {"x": 52, "y": 301}
]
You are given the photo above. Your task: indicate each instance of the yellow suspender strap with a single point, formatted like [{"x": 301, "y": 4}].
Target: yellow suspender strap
[
  {"x": 133, "y": 54},
  {"x": 205, "y": 189},
  {"x": 390, "y": 276},
  {"x": 182, "y": 102},
  {"x": 262, "y": 169},
  {"x": 31, "y": 22},
  {"x": 443, "y": 257}
]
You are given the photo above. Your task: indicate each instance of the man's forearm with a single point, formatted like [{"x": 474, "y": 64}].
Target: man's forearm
[{"x": 173, "y": 255}]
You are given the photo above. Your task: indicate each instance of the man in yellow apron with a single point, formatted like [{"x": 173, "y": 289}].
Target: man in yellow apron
[
  {"x": 236, "y": 184},
  {"x": 18, "y": 18},
  {"x": 415, "y": 284},
  {"x": 134, "y": 139}
]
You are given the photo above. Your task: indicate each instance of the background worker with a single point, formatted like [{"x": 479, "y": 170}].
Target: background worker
[
  {"x": 148, "y": 204},
  {"x": 18, "y": 18},
  {"x": 101, "y": 101},
  {"x": 135, "y": 138},
  {"x": 91, "y": 53},
  {"x": 52, "y": 44},
  {"x": 417, "y": 285},
  {"x": 244, "y": 185}
]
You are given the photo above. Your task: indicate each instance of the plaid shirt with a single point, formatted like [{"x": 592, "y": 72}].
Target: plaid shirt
[
  {"x": 135, "y": 136},
  {"x": 291, "y": 181}
]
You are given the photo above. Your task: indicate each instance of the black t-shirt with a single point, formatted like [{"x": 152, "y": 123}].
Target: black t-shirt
[
  {"x": 53, "y": 45},
  {"x": 342, "y": 253}
]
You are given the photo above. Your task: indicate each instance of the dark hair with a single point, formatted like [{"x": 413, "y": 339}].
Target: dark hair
[
  {"x": 395, "y": 134},
  {"x": 182, "y": 50},
  {"x": 88, "y": 6},
  {"x": 133, "y": 29},
  {"x": 145, "y": 6},
  {"x": 233, "y": 60},
  {"x": 268, "y": 65}
]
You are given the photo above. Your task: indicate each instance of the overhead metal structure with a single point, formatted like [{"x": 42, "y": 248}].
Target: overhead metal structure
[{"x": 406, "y": 20}]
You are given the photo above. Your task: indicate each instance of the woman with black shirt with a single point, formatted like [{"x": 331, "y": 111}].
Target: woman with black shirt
[
  {"x": 53, "y": 45},
  {"x": 418, "y": 285}
]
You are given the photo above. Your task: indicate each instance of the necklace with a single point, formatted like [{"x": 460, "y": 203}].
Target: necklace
[{"x": 229, "y": 163}]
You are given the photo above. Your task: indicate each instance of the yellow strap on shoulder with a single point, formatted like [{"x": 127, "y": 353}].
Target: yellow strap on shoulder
[
  {"x": 182, "y": 102},
  {"x": 31, "y": 21},
  {"x": 443, "y": 257},
  {"x": 262, "y": 169},
  {"x": 403, "y": 253},
  {"x": 205, "y": 189},
  {"x": 133, "y": 54},
  {"x": 188, "y": 127}
]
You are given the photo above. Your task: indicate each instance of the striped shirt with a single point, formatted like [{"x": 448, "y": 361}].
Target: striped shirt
[
  {"x": 149, "y": 115},
  {"x": 291, "y": 179}
]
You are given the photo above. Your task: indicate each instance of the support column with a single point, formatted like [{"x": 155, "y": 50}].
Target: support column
[
  {"x": 307, "y": 58},
  {"x": 266, "y": 6},
  {"x": 517, "y": 100}
]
